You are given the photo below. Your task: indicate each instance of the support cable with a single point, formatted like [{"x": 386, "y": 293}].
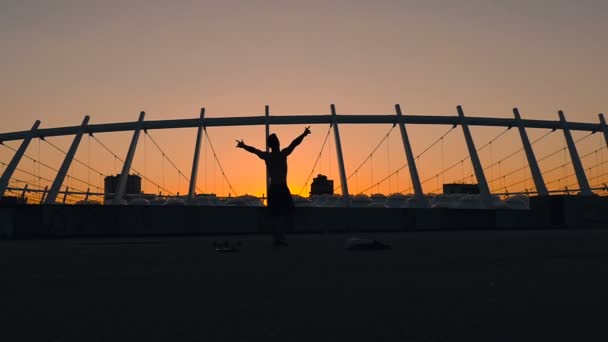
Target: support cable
[
  {"x": 558, "y": 168},
  {"x": 180, "y": 173},
  {"x": 33, "y": 159},
  {"x": 218, "y": 162},
  {"x": 383, "y": 179},
  {"x": 440, "y": 139},
  {"x": 47, "y": 166},
  {"x": 75, "y": 159},
  {"x": 369, "y": 157},
  {"x": 78, "y": 161},
  {"x": 588, "y": 169},
  {"x": 133, "y": 169},
  {"x": 489, "y": 143},
  {"x": 435, "y": 142},
  {"x": 515, "y": 153},
  {"x": 316, "y": 161}
]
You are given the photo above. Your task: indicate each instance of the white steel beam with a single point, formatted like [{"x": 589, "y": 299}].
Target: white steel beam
[
  {"x": 12, "y": 165},
  {"x": 604, "y": 127},
  {"x": 539, "y": 182},
  {"x": 65, "y": 166},
  {"x": 44, "y": 192},
  {"x": 299, "y": 120},
  {"x": 484, "y": 190},
  {"x": 411, "y": 161},
  {"x": 195, "y": 160},
  {"x": 23, "y": 192},
  {"x": 267, "y": 125},
  {"x": 124, "y": 175},
  {"x": 343, "y": 182},
  {"x": 576, "y": 161},
  {"x": 65, "y": 194}
]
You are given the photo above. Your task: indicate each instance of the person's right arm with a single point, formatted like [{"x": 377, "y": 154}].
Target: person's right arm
[{"x": 250, "y": 149}]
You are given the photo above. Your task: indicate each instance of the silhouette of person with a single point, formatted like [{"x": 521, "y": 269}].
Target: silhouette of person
[{"x": 280, "y": 204}]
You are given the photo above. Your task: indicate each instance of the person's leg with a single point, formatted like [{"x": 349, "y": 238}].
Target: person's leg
[
  {"x": 282, "y": 205},
  {"x": 272, "y": 224},
  {"x": 279, "y": 232},
  {"x": 291, "y": 222}
]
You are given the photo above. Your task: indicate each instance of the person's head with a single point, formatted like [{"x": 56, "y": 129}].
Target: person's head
[{"x": 273, "y": 142}]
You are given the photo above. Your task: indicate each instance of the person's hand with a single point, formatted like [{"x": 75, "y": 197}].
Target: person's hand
[
  {"x": 240, "y": 144},
  {"x": 307, "y": 131}
]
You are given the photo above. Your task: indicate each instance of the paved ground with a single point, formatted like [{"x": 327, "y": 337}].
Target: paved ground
[{"x": 439, "y": 286}]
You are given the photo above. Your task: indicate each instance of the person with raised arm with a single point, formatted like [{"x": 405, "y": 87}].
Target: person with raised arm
[{"x": 280, "y": 205}]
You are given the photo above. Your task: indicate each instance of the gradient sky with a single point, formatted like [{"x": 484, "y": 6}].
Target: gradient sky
[{"x": 63, "y": 59}]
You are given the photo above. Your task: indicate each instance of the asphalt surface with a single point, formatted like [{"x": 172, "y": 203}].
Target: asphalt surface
[{"x": 431, "y": 286}]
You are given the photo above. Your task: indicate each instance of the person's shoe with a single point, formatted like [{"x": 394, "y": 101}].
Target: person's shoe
[
  {"x": 226, "y": 246},
  {"x": 280, "y": 243}
]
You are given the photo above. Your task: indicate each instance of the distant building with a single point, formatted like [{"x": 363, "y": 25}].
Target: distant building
[
  {"x": 206, "y": 195},
  {"x": 133, "y": 185},
  {"x": 456, "y": 188},
  {"x": 321, "y": 186},
  {"x": 11, "y": 200}
]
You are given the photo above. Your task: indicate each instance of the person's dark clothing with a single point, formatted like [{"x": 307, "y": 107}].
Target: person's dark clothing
[
  {"x": 280, "y": 202},
  {"x": 277, "y": 166}
]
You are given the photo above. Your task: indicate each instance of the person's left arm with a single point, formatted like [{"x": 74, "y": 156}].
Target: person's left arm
[{"x": 297, "y": 141}]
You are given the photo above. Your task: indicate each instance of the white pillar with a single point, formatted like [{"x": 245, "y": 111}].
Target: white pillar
[
  {"x": 197, "y": 152},
  {"x": 65, "y": 194},
  {"x": 583, "y": 184},
  {"x": 67, "y": 161},
  {"x": 23, "y": 192},
  {"x": 539, "y": 182},
  {"x": 12, "y": 166},
  {"x": 46, "y": 188},
  {"x": 411, "y": 161},
  {"x": 267, "y": 113},
  {"x": 122, "y": 181},
  {"x": 484, "y": 190},
  {"x": 604, "y": 127},
  {"x": 343, "y": 181}
]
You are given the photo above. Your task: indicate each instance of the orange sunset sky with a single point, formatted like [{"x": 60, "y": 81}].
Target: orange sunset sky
[{"x": 63, "y": 59}]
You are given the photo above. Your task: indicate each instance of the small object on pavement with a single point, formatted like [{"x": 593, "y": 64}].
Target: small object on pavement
[
  {"x": 354, "y": 243},
  {"x": 280, "y": 243},
  {"x": 226, "y": 246}
]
